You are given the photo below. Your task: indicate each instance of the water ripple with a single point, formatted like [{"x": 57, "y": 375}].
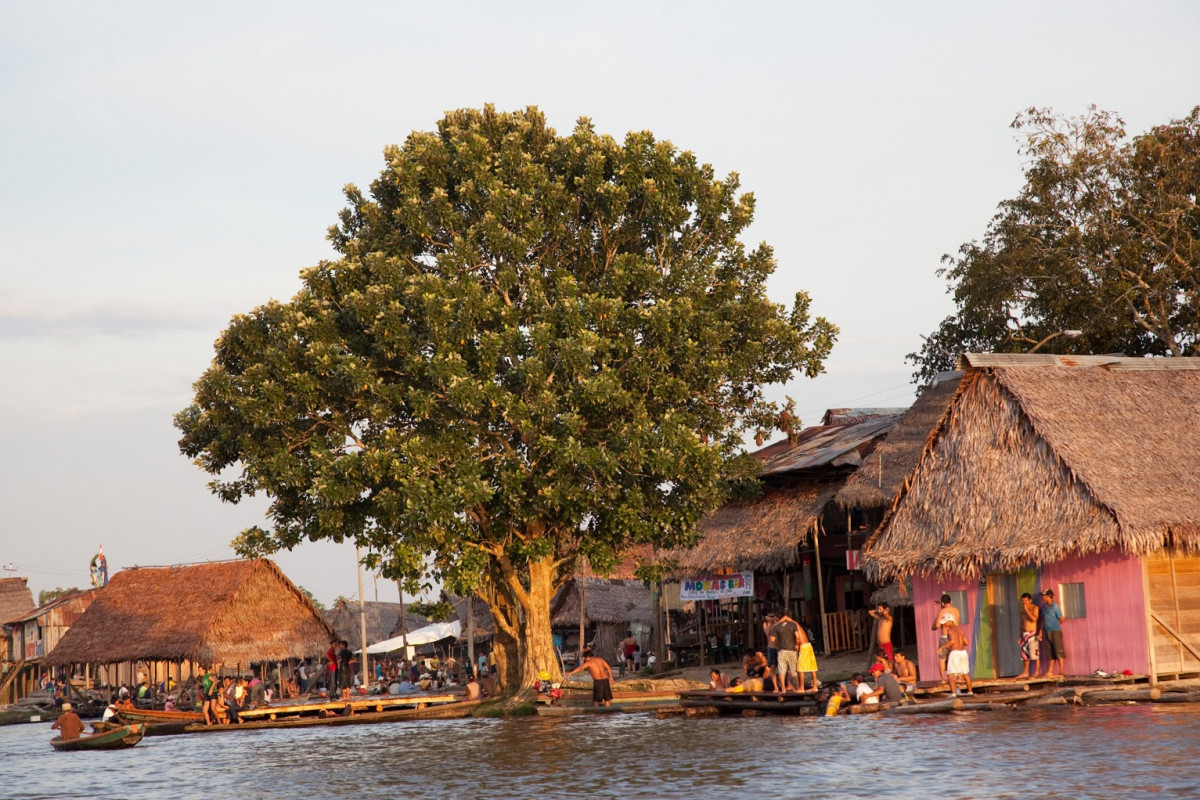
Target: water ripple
[{"x": 1108, "y": 752}]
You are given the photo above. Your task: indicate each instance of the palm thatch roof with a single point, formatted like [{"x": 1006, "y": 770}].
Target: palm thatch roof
[
  {"x": 882, "y": 473},
  {"x": 608, "y": 601},
  {"x": 229, "y": 612},
  {"x": 485, "y": 625},
  {"x": 1043, "y": 456},
  {"x": 383, "y": 620},
  {"x": 760, "y": 534},
  {"x": 16, "y": 600}
]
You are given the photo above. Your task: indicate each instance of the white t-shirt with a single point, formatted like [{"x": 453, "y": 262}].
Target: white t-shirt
[{"x": 861, "y": 693}]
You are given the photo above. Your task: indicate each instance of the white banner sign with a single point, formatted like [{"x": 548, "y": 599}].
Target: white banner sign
[{"x": 717, "y": 587}]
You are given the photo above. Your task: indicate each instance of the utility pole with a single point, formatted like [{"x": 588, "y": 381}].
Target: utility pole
[{"x": 362, "y": 618}]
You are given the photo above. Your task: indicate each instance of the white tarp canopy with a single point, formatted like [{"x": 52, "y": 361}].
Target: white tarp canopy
[{"x": 430, "y": 633}]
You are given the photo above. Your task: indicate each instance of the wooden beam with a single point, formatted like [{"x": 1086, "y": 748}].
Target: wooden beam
[{"x": 1149, "y": 623}]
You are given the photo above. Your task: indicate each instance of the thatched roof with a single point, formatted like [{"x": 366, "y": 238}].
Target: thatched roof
[
  {"x": 230, "y": 612},
  {"x": 1050, "y": 455},
  {"x": 485, "y": 626},
  {"x": 16, "y": 600},
  {"x": 883, "y": 472},
  {"x": 611, "y": 601},
  {"x": 383, "y": 620},
  {"x": 760, "y": 534}
]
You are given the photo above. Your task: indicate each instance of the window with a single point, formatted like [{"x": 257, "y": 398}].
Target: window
[{"x": 1074, "y": 602}]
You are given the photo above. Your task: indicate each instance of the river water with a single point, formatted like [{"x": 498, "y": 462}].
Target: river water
[{"x": 1145, "y": 751}]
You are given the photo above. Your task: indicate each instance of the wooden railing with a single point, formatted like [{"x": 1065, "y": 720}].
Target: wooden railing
[{"x": 847, "y": 631}]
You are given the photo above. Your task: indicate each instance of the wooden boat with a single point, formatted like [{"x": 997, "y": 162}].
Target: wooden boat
[
  {"x": 152, "y": 728},
  {"x": 158, "y": 716},
  {"x": 14, "y": 715},
  {"x": 763, "y": 702},
  {"x": 124, "y": 736},
  {"x": 455, "y": 710}
]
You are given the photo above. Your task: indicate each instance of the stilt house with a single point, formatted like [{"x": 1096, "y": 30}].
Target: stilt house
[
  {"x": 800, "y": 547},
  {"x": 172, "y": 619},
  {"x": 1075, "y": 474}
]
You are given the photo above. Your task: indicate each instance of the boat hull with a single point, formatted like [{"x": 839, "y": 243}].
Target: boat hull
[{"x": 116, "y": 739}]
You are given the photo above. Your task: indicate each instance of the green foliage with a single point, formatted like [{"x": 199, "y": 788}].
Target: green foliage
[
  {"x": 533, "y": 347},
  {"x": 312, "y": 597},
  {"x": 439, "y": 611},
  {"x": 47, "y": 595},
  {"x": 1103, "y": 238}
]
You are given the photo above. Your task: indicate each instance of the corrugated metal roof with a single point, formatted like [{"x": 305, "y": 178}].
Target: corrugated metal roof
[{"x": 830, "y": 445}]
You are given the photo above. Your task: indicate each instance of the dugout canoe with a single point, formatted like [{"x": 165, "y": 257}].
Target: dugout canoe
[
  {"x": 116, "y": 739},
  {"x": 457, "y": 710}
]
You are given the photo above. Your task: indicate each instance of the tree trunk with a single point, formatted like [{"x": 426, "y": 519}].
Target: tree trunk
[{"x": 538, "y": 652}]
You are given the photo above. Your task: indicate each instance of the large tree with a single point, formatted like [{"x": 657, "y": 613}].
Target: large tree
[
  {"x": 1104, "y": 238},
  {"x": 533, "y": 348}
]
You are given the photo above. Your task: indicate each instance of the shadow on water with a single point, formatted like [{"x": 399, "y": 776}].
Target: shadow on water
[{"x": 1106, "y": 752}]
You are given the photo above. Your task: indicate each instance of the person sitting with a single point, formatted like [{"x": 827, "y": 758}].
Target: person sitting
[
  {"x": 111, "y": 712},
  {"x": 258, "y": 692},
  {"x": 68, "y": 723},
  {"x": 886, "y": 683},
  {"x": 717, "y": 681},
  {"x": 219, "y": 705},
  {"x": 489, "y": 685},
  {"x": 863, "y": 693},
  {"x": 473, "y": 690},
  {"x": 906, "y": 673}
]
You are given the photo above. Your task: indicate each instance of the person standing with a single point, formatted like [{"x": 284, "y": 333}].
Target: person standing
[
  {"x": 1052, "y": 615},
  {"x": 1028, "y": 640},
  {"x": 807, "y": 660},
  {"x": 769, "y": 623},
  {"x": 883, "y": 634},
  {"x": 946, "y": 613},
  {"x": 345, "y": 673},
  {"x": 958, "y": 663},
  {"x": 628, "y": 644},
  {"x": 784, "y": 637},
  {"x": 331, "y": 665},
  {"x": 601, "y": 674}
]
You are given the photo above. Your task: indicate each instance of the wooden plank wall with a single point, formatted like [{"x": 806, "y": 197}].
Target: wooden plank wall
[{"x": 1175, "y": 597}]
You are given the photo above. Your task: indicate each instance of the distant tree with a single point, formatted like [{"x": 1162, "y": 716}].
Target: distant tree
[
  {"x": 47, "y": 595},
  {"x": 534, "y": 347},
  {"x": 312, "y": 597},
  {"x": 1103, "y": 238}
]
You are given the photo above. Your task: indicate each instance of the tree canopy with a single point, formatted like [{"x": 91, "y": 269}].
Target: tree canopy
[
  {"x": 1103, "y": 238},
  {"x": 533, "y": 348}
]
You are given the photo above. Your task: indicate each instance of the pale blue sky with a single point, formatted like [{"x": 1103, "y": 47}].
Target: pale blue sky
[{"x": 165, "y": 167}]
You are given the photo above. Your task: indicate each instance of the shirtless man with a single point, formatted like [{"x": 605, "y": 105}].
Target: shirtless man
[
  {"x": 947, "y": 613},
  {"x": 958, "y": 664},
  {"x": 906, "y": 672},
  {"x": 601, "y": 674},
  {"x": 883, "y": 636},
  {"x": 1029, "y": 637}
]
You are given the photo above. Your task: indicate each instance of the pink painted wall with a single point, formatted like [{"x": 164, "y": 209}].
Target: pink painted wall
[{"x": 1112, "y": 637}]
